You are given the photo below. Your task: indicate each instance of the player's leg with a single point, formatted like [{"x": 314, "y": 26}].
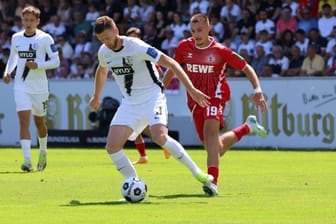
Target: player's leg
[
  {"x": 161, "y": 137},
  {"x": 39, "y": 110},
  {"x": 116, "y": 139},
  {"x": 141, "y": 147},
  {"x": 207, "y": 122},
  {"x": 25, "y": 139},
  {"x": 251, "y": 126},
  {"x": 146, "y": 131},
  {"x": 23, "y": 108}
]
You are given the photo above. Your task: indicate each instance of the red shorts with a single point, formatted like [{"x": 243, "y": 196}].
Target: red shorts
[{"x": 214, "y": 111}]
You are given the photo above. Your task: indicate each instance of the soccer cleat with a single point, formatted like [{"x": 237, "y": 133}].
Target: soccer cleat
[
  {"x": 26, "y": 166},
  {"x": 42, "y": 162},
  {"x": 254, "y": 127},
  {"x": 166, "y": 153},
  {"x": 141, "y": 161},
  {"x": 210, "y": 190},
  {"x": 204, "y": 178}
]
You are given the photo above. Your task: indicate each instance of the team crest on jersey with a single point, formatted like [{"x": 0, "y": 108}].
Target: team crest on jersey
[
  {"x": 128, "y": 60},
  {"x": 152, "y": 52},
  {"x": 211, "y": 58}
]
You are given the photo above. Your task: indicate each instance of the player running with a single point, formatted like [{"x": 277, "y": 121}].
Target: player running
[{"x": 205, "y": 61}]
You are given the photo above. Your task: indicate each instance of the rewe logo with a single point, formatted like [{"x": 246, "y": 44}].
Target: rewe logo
[{"x": 200, "y": 68}]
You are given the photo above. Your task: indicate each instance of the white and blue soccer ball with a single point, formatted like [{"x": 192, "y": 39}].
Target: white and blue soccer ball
[{"x": 134, "y": 189}]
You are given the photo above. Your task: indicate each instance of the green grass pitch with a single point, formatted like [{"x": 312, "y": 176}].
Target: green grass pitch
[{"x": 255, "y": 187}]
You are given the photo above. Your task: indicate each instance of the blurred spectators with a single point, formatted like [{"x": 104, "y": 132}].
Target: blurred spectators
[
  {"x": 67, "y": 50},
  {"x": 178, "y": 26},
  {"x": 286, "y": 41},
  {"x": 285, "y": 22},
  {"x": 331, "y": 43},
  {"x": 318, "y": 41},
  {"x": 264, "y": 23},
  {"x": 327, "y": 21},
  {"x": 92, "y": 14},
  {"x": 48, "y": 10},
  {"x": 301, "y": 41},
  {"x": 313, "y": 64},
  {"x": 147, "y": 11},
  {"x": 55, "y": 27},
  {"x": 295, "y": 62},
  {"x": 279, "y": 62},
  {"x": 201, "y": 5},
  {"x": 331, "y": 64},
  {"x": 306, "y": 21},
  {"x": 265, "y": 41},
  {"x": 273, "y": 9},
  {"x": 259, "y": 60}
]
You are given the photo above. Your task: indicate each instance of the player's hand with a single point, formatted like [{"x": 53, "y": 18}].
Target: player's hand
[
  {"x": 31, "y": 65},
  {"x": 6, "y": 78},
  {"x": 94, "y": 103},
  {"x": 200, "y": 98},
  {"x": 260, "y": 101}
]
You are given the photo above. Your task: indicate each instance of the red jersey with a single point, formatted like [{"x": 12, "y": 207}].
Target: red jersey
[{"x": 206, "y": 67}]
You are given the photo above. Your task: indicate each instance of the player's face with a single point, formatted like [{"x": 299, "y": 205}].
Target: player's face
[
  {"x": 30, "y": 23},
  {"x": 110, "y": 38},
  {"x": 200, "y": 32}
]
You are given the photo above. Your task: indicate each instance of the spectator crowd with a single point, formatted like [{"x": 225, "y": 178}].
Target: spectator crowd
[{"x": 278, "y": 38}]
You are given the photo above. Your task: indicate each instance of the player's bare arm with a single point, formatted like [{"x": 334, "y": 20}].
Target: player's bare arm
[
  {"x": 199, "y": 97},
  {"x": 167, "y": 78},
  {"x": 258, "y": 97},
  {"x": 100, "y": 78}
]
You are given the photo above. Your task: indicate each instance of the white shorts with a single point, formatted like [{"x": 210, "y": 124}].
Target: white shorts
[
  {"x": 139, "y": 116},
  {"x": 37, "y": 103}
]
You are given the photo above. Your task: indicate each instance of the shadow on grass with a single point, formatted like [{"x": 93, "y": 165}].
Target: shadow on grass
[
  {"x": 14, "y": 172},
  {"x": 75, "y": 203},
  {"x": 175, "y": 196}
]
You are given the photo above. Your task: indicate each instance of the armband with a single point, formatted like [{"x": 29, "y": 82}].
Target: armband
[{"x": 258, "y": 90}]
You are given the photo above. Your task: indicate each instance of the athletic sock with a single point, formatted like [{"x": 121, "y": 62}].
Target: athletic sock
[
  {"x": 241, "y": 131},
  {"x": 141, "y": 147},
  {"x": 43, "y": 145},
  {"x": 25, "y": 146},
  {"x": 178, "y": 152},
  {"x": 123, "y": 164},
  {"x": 214, "y": 171}
]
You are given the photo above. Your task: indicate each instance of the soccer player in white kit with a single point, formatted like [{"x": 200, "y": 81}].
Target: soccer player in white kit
[
  {"x": 132, "y": 62},
  {"x": 29, "y": 49}
]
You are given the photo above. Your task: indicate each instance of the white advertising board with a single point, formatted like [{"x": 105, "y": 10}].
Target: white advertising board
[{"x": 301, "y": 113}]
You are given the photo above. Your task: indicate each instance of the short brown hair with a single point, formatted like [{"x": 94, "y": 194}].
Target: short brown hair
[
  {"x": 134, "y": 30},
  {"x": 102, "y": 23},
  {"x": 31, "y": 10},
  {"x": 199, "y": 17}
]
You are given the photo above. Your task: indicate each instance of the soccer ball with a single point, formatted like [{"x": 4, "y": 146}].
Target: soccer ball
[{"x": 134, "y": 189}]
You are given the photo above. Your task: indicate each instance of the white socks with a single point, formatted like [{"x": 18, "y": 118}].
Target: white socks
[
  {"x": 43, "y": 144},
  {"x": 123, "y": 164},
  {"x": 25, "y": 146},
  {"x": 178, "y": 152}
]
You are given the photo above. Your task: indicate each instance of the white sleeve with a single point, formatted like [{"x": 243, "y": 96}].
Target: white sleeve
[
  {"x": 52, "y": 52},
  {"x": 12, "y": 60}
]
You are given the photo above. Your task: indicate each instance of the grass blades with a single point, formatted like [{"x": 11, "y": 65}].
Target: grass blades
[{"x": 255, "y": 187}]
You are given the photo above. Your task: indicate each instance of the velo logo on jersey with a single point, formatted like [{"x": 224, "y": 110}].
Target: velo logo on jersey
[
  {"x": 30, "y": 54},
  {"x": 27, "y": 54},
  {"x": 124, "y": 70}
]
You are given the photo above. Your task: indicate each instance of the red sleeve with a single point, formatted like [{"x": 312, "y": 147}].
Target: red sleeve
[
  {"x": 233, "y": 59},
  {"x": 179, "y": 52}
]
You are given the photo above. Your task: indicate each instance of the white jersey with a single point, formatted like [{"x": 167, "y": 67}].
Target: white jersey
[
  {"x": 133, "y": 68},
  {"x": 41, "y": 49}
]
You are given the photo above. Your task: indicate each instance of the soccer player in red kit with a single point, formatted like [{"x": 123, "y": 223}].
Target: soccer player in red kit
[{"x": 205, "y": 61}]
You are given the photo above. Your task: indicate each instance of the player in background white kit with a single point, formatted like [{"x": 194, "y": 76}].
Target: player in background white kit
[
  {"x": 132, "y": 62},
  {"x": 29, "y": 50}
]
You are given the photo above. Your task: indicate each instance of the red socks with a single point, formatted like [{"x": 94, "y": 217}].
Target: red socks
[
  {"x": 141, "y": 147},
  {"x": 212, "y": 170},
  {"x": 241, "y": 131}
]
